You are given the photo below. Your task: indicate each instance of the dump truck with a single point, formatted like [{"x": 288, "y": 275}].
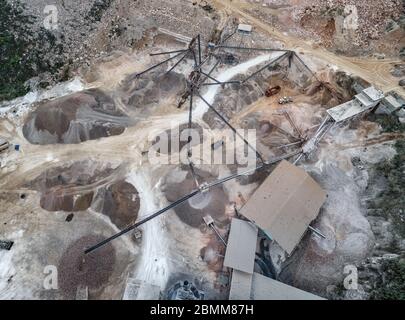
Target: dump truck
[
  {"x": 271, "y": 91},
  {"x": 4, "y": 145}
]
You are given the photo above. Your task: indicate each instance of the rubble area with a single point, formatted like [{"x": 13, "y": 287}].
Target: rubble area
[
  {"x": 85, "y": 31},
  {"x": 346, "y": 26}
]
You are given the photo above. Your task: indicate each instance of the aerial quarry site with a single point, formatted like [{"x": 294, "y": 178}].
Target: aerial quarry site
[{"x": 202, "y": 150}]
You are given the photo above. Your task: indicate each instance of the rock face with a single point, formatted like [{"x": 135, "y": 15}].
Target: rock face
[
  {"x": 349, "y": 238},
  {"x": 349, "y": 25},
  {"x": 80, "y": 31},
  {"x": 79, "y": 117}
]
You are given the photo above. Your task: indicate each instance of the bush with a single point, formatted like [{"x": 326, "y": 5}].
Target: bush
[
  {"x": 392, "y": 284},
  {"x": 23, "y": 50},
  {"x": 392, "y": 200},
  {"x": 388, "y": 122}
]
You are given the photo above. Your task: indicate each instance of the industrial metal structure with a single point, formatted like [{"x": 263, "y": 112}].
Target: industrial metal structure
[
  {"x": 285, "y": 204},
  {"x": 201, "y": 77},
  {"x": 197, "y": 80},
  {"x": 362, "y": 102}
]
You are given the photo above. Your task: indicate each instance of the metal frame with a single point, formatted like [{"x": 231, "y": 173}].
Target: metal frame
[{"x": 197, "y": 79}]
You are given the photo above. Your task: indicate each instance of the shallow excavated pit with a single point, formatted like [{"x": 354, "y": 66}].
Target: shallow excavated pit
[{"x": 79, "y": 117}]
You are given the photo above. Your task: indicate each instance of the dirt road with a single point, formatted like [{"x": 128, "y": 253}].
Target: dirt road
[{"x": 374, "y": 71}]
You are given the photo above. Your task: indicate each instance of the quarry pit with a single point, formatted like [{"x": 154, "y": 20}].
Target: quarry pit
[{"x": 83, "y": 172}]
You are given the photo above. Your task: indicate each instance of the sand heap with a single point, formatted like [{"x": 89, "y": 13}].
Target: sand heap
[
  {"x": 120, "y": 202},
  {"x": 70, "y": 187},
  {"x": 77, "y": 270},
  {"x": 149, "y": 90},
  {"x": 79, "y": 117}
]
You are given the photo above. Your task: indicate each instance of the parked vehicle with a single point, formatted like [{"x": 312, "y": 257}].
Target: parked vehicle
[{"x": 272, "y": 91}]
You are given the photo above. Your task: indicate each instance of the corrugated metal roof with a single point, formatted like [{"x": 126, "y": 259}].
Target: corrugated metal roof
[
  {"x": 285, "y": 204},
  {"x": 241, "y": 285},
  {"x": 364, "y": 99},
  {"x": 393, "y": 102},
  {"x": 264, "y": 288},
  {"x": 346, "y": 110},
  {"x": 245, "y": 27},
  {"x": 241, "y": 247}
]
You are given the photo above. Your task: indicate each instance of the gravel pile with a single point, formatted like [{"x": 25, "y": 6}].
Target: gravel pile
[{"x": 79, "y": 270}]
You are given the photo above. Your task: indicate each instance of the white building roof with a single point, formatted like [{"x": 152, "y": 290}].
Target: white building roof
[
  {"x": 362, "y": 102},
  {"x": 245, "y": 286},
  {"x": 285, "y": 204},
  {"x": 374, "y": 94},
  {"x": 365, "y": 100},
  {"x": 245, "y": 27},
  {"x": 264, "y": 288},
  {"x": 241, "y": 247},
  {"x": 393, "y": 102},
  {"x": 241, "y": 285},
  {"x": 346, "y": 110}
]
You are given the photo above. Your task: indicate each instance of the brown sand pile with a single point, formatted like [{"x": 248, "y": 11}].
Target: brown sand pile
[
  {"x": 213, "y": 254},
  {"x": 119, "y": 201},
  {"x": 76, "y": 118},
  {"x": 151, "y": 88},
  {"x": 55, "y": 199},
  {"x": 69, "y": 188},
  {"x": 92, "y": 270}
]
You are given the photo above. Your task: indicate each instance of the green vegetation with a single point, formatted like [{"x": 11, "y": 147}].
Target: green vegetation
[
  {"x": 388, "y": 122},
  {"x": 97, "y": 10},
  {"x": 22, "y": 51},
  {"x": 392, "y": 201},
  {"x": 392, "y": 286}
]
